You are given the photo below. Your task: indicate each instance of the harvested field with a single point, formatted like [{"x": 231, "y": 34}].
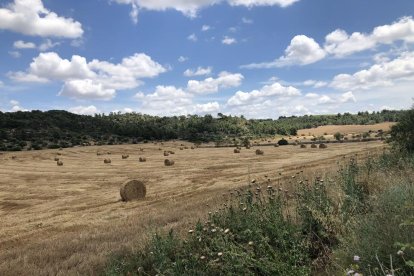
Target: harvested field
[
  {"x": 67, "y": 220},
  {"x": 332, "y": 129}
]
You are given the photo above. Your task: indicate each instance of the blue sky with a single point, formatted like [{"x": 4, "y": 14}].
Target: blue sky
[{"x": 259, "y": 58}]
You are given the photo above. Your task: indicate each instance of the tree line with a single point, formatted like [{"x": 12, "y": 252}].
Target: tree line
[{"x": 36, "y": 130}]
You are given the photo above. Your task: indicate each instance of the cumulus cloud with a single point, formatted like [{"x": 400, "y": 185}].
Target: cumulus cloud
[
  {"x": 192, "y": 37},
  {"x": 382, "y": 74},
  {"x": 207, "y": 108},
  {"x": 305, "y": 50},
  {"x": 200, "y": 71},
  {"x": 16, "y": 106},
  {"x": 228, "y": 40},
  {"x": 20, "y": 44},
  {"x": 315, "y": 84},
  {"x": 302, "y": 50},
  {"x": 268, "y": 91},
  {"x": 94, "y": 79},
  {"x": 205, "y": 28},
  {"x": 191, "y": 7},
  {"x": 30, "y": 17},
  {"x": 84, "y": 110},
  {"x": 182, "y": 59},
  {"x": 212, "y": 85}
]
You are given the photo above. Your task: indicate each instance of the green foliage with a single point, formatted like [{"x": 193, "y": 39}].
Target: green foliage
[
  {"x": 65, "y": 129},
  {"x": 338, "y": 136},
  {"x": 402, "y": 134}
]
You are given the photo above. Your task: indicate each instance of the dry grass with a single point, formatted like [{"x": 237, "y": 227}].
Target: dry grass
[
  {"x": 67, "y": 221},
  {"x": 332, "y": 129}
]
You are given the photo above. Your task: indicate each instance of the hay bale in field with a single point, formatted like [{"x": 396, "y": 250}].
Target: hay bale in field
[
  {"x": 323, "y": 146},
  {"x": 14, "y": 157},
  {"x": 192, "y": 147},
  {"x": 125, "y": 156},
  {"x": 171, "y": 152},
  {"x": 276, "y": 145},
  {"x": 133, "y": 189},
  {"x": 108, "y": 152},
  {"x": 58, "y": 153},
  {"x": 107, "y": 161},
  {"x": 236, "y": 151},
  {"x": 168, "y": 162},
  {"x": 142, "y": 159},
  {"x": 185, "y": 147},
  {"x": 181, "y": 148},
  {"x": 314, "y": 146},
  {"x": 166, "y": 153},
  {"x": 159, "y": 148},
  {"x": 141, "y": 149},
  {"x": 303, "y": 146},
  {"x": 56, "y": 159},
  {"x": 99, "y": 153},
  {"x": 247, "y": 147},
  {"x": 259, "y": 152},
  {"x": 59, "y": 163}
]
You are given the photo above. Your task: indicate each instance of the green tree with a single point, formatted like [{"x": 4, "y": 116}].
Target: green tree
[{"x": 402, "y": 134}]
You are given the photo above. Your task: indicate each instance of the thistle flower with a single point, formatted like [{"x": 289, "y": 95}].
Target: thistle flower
[
  {"x": 400, "y": 253},
  {"x": 251, "y": 243},
  {"x": 226, "y": 231},
  {"x": 356, "y": 258},
  {"x": 220, "y": 254}
]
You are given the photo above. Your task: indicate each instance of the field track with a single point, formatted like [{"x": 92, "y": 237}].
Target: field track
[{"x": 64, "y": 220}]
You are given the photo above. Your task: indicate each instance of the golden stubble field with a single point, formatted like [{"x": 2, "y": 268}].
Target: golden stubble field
[{"x": 67, "y": 220}]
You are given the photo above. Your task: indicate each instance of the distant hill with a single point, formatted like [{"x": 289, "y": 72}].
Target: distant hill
[{"x": 54, "y": 129}]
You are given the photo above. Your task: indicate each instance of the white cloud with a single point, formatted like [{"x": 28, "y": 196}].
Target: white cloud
[
  {"x": 15, "y": 54},
  {"x": 311, "y": 95},
  {"x": 347, "y": 97},
  {"x": 200, "y": 71},
  {"x": 182, "y": 59},
  {"x": 47, "y": 44},
  {"x": 30, "y": 17},
  {"x": 228, "y": 40},
  {"x": 86, "y": 89},
  {"x": 304, "y": 50},
  {"x": 14, "y": 102},
  {"x": 190, "y": 8},
  {"x": 84, "y": 110},
  {"x": 20, "y": 44},
  {"x": 95, "y": 79},
  {"x": 206, "y": 108},
  {"x": 192, "y": 37},
  {"x": 205, "y": 28},
  {"x": 383, "y": 74},
  {"x": 247, "y": 20},
  {"x": 340, "y": 44},
  {"x": 16, "y": 106},
  {"x": 315, "y": 84},
  {"x": 165, "y": 100},
  {"x": 212, "y": 85},
  {"x": 268, "y": 91}
]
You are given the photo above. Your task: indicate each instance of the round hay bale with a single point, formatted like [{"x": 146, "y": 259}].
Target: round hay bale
[
  {"x": 59, "y": 163},
  {"x": 56, "y": 159},
  {"x": 166, "y": 153},
  {"x": 314, "y": 146},
  {"x": 99, "y": 153},
  {"x": 192, "y": 147},
  {"x": 58, "y": 153},
  {"x": 181, "y": 148},
  {"x": 259, "y": 152},
  {"x": 247, "y": 147},
  {"x": 185, "y": 147},
  {"x": 171, "y": 152},
  {"x": 323, "y": 146},
  {"x": 142, "y": 159},
  {"x": 276, "y": 145},
  {"x": 125, "y": 156},
  {"x": 303, "y": 146},
  {"x": 133, "y": 189},
  {"x": 107, "y": 161},
  {"x": 168, "y": 162},
  {"x": 236, "y": 151}
]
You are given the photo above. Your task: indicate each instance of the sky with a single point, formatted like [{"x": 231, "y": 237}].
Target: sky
[{"x": 257, "y": 58}]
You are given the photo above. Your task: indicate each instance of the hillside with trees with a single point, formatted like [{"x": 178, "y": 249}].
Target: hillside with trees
[{"x": 36, "y": 130}]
